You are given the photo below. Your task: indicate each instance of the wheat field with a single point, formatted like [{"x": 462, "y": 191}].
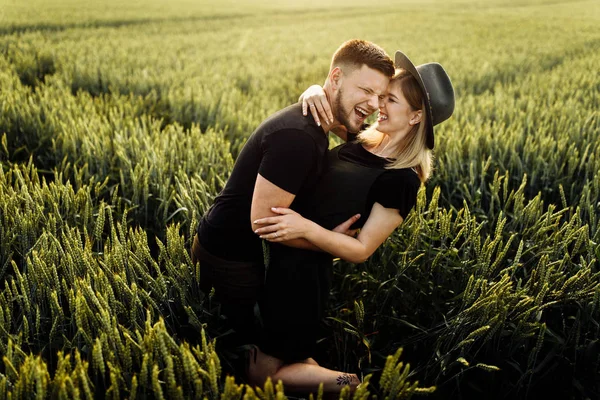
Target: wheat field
[{"x": 121, "y": 121}]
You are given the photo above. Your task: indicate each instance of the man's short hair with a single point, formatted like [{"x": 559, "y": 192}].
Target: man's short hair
[{"x": 355, "y": 53}]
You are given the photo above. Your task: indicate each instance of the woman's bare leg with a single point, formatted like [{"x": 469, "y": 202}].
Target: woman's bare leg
[{"x": 303, "y": 376}]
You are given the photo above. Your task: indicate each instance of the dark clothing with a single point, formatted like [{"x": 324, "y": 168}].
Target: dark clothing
[
  {"x": 353, "y": 181},
  {"x": 298, "y": 281},
  {"x": 394, "y": 188},
  {"x": 288, "y": 150},
  {"x": 237, "y": 286},
  {"x": 293, "y": 304}
]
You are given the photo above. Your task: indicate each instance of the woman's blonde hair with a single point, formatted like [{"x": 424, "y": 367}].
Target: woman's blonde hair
[{"x": 412, "y": 151}]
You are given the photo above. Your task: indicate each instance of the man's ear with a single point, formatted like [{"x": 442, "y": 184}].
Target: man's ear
[
  {"x": 335, "y": 77},
  {"x": 416, "y": 117}
]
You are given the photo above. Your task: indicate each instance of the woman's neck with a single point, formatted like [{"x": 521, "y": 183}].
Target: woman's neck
[{"x": 385, "y": 149}]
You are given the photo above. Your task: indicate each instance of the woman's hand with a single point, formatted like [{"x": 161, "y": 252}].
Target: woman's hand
[
  {"x": 286, "y": 226},
  {"x": 291, "y": 225},
  {"x": 315, "y": 98}
]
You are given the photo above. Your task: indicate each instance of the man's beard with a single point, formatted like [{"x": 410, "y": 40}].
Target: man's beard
[{"x": 342, "y": 116}]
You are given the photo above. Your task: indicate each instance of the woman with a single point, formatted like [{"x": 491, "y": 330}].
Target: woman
[{"x": 377, "y": 176}]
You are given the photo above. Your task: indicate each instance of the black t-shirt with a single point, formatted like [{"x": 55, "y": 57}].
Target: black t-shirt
[
  {"x": 395, "y": 188},
  {"x": 288, "y": 149}
]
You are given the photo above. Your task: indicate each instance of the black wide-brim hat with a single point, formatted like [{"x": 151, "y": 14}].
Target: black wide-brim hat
[{"x": 438, "y": 90}]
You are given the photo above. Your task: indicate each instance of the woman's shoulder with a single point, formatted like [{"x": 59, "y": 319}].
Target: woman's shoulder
[
  {"x": 397, "y": 183},
  {"x": 356, "y": 153},
  {"x": 397, "y": 189},
  {"x": 403, "y": 176}
]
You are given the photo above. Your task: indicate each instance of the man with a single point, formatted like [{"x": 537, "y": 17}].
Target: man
[{"x": 282, "y": 159}]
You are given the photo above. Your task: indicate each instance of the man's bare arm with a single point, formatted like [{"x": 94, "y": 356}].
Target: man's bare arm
[{"x": 267, "y": 195}]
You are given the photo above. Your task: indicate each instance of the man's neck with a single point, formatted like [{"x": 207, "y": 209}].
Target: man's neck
[
  {"x": 333, "y": 127},
  {"x": 337, "y": 128}
]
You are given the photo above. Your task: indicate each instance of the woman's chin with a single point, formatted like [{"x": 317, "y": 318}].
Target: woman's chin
[{"x": 382, "y": 127}]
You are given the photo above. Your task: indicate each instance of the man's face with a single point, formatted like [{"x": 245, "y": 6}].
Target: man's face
[{"x": 358, "y": 95}]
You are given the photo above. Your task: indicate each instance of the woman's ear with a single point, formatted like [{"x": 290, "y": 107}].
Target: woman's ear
[{"x": 416, "y": 117}]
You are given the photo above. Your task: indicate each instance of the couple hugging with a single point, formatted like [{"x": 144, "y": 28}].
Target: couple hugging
[{"x": 307, "y": 203}]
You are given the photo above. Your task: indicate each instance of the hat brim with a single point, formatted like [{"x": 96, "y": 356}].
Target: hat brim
[{"x": 402, "y": 61}]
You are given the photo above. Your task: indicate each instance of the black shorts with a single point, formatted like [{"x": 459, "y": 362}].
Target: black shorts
[{"x": 237, "y": 287}]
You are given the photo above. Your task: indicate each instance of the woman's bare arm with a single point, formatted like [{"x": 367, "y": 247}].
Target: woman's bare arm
[
  {"x": 291, "y": 225},
  {"x": 315, "y": 99},
  {"x": 343, "y": 228}
]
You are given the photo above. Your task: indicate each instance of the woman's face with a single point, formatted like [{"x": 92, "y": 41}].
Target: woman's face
[{"x": 396, "y": 116}]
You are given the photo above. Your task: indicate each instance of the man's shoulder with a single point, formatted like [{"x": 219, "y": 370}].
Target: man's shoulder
[
  {"x": 291, "y": 119},
  {"x": 291, "y": 114}
]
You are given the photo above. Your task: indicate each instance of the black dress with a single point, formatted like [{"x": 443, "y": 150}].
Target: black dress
[{"x": 298, "y": 281}]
